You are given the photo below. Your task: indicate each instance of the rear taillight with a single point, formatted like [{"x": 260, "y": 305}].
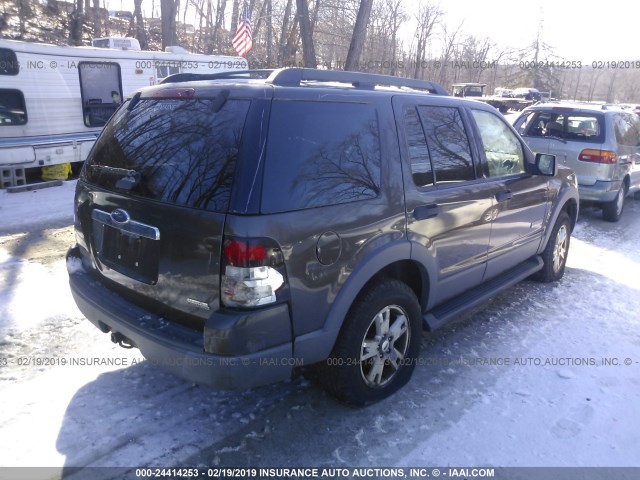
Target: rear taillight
[
  {"x": 598, "y": 156},
  {"x": 252, "y": 272}
]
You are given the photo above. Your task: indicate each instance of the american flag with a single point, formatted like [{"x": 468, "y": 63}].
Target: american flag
[{"x": 242, "y": 40}]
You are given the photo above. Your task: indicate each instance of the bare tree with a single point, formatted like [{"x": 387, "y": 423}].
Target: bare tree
[
  {"x": 235, "y": 13},
  {"x": 219, "y": 24},
  {"x": 97, "y": 31},
  {"x": 428, "y": 17},
  {"x": 141, "y": 33},
  {"x": 168, "y": 13},
  {"x": 359, "y": 34},
  {"x": 76, "y": 23},
  {"x": 398, "y": 17},
  {"x": 308, "y": 50},
  {"x": 448, "y": 52}
]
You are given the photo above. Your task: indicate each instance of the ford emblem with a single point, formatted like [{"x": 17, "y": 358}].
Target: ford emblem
[{"x": 120, "y": 216}]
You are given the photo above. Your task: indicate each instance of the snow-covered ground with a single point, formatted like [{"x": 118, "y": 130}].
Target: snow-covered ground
[{"x": 536, "y": 377}]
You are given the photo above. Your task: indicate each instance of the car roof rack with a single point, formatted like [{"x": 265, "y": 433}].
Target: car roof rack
[
  {"x": 193, "y": 77},
  {"x": 293, "y": 77}
]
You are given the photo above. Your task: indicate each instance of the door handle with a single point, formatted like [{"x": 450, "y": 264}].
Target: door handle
[
  {"x": 426, "y": 211},
  {"x": 504, "y": 196}
]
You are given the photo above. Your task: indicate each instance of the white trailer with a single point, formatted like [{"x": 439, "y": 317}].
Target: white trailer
[{"x": 54, "y": 100}]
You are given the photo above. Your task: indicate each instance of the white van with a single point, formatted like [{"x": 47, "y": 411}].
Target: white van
[{"x": 55, "y": 100}]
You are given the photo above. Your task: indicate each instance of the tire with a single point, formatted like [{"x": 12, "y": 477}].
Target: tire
[
  {"x": 377, "y": 348},
  {"x": 612, "y": 211},
  {"x": 555, "y": 253}
]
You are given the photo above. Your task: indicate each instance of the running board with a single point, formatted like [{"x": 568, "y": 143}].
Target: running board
[{"x": 476, "y": 296}]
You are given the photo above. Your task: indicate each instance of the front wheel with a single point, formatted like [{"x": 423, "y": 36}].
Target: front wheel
[
  {"x": 377, "y": 348},
  {"x": 555, "y": 253},
  {"x": 611, "y": 211}
]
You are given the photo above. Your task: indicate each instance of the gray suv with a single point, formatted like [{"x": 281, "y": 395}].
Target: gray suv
[
  {"x": 600, "y": 143},
  {"x": 237, "y": 230}
]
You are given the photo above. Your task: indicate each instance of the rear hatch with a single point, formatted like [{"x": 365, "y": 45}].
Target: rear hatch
[{"x": 153, "y": 196}]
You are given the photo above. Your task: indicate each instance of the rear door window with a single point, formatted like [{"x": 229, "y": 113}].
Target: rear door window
[
  {"x": 448, "y": 144},
  {"x": 182, "y": 152},
  {"x": 319, "y": 154}
]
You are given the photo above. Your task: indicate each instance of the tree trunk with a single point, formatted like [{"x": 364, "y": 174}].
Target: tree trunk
[
  {"x": 222, "y": 5},
  {"x": 234, "y": 18},
  {"x": 359, "y": 35},
  {"x": 97, "y": 31},
  {"x": 284, "y": 34},
  {"x": 168, "y": 12},
  {"x": 269, "y": 33},
  {"x": 75, "y": 24},
  {"x": 308, "y": 51},
  {"x": 141, "y": 34}
]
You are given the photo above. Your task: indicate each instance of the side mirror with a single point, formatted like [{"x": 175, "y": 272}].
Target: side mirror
[{"x": 546, "y": 164}]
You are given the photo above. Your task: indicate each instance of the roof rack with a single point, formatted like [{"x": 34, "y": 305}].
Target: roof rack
[
  {"x": 192, "y": 77},
  {"x": 292, "y": 77}
]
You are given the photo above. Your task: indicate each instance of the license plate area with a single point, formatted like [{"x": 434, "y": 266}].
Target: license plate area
[{"x": 131, "y": 248}]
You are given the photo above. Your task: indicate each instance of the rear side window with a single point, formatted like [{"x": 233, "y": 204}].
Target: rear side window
[
  {"x": 182, "y": 152},
  {"x": 448, "y": 144},
  {"x": 627, "y": 129},
  {"x": 319, "y": 154},
  {"x": 421, "y": 169},
  {"x": 12, "y": 107},
  {"x": 8, "y": 62}
]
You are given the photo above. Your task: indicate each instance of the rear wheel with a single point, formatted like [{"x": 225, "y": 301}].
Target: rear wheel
[
  {"x": 611, "y": 211},
  {"x": 377, "y": 349},
  {"x": 555, "y": 253}
]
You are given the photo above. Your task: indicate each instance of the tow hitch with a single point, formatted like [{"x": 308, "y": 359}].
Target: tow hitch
[{"x": 121, "y": 340}]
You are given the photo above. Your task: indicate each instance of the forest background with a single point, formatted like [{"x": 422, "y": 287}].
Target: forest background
[{"x": 397, "y": 37}]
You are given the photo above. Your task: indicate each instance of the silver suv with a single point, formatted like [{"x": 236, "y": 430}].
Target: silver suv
[{"x": 601, "y": 143}]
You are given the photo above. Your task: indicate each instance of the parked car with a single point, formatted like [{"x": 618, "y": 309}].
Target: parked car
[
  {"x": 532, "y": 94},
  {"x": 601, "y": 143},
  {"x": 238, "y": 230}
]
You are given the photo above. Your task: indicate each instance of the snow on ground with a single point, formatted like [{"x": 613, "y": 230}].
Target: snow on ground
[
  {"x": 26, "y": 209},
  {"x": 548, "y": 399}
]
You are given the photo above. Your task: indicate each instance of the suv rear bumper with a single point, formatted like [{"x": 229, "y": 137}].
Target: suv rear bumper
[
  {"x": 600, "y": 191},
  {"x": 177, "y": 348}
]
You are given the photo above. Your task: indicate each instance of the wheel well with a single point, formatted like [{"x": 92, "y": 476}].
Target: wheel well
[{"x": 407, "y": 272}]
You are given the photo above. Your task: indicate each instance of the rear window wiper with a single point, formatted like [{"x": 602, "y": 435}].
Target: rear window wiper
[{"x": 128, "y": 180}]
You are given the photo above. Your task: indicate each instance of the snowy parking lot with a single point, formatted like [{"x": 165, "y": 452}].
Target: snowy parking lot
[{"x": 542, "y": 375}]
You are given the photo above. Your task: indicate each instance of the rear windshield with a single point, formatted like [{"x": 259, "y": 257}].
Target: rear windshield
[{"x": 182, "y": 152}]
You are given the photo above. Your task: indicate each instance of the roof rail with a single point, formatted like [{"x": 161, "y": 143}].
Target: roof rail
[
  {"x": 293, "y": 77},
  {"x": 193, "y": 77}
]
